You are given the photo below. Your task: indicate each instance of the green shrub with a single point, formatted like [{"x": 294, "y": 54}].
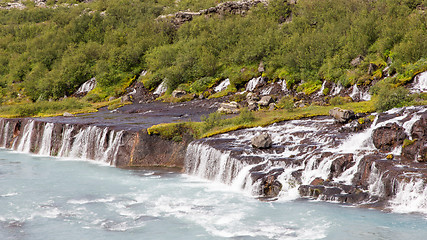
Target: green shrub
[
  {"x": 244, "y": 117},
  {"x": 338, "y": 100},
  {"x": 389, "y": 98},
  {"x": 214, "y": 119},
  {"x": 287, "y": 103}
]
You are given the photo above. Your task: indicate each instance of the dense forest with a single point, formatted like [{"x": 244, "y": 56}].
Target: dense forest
[{"x": 48, "y": 52}]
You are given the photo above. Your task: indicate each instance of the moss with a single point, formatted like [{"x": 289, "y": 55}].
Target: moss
[
  {"x": 390, "y": 157},
  {"x": 309, "y": 87},
  {"x": 408, "y": 142}
]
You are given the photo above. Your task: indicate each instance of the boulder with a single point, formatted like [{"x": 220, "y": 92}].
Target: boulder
[
  {"x": 271, "y": 106},
  {"x": 67, "y": 114},
  {"x": 125, "y": 98},
  {"x": 252, "y": 97},
  {"x": 372, "y": 68},
  {"x": 229, "y": 108},
  {"x": 262, "y": 140},
  {"x": 388, "y": 137},
  {"x": 261, "y": 67},
  {"x": 252, "y": 106},
  {"x": 111, "y": 99},
  {"x": 178, "y": 93},
  {"x": 357, "y": 61},
  {"x": 341, "y": 115},
  {"x": 265, "y": 101},
  {"x": 271, "y": 187}
]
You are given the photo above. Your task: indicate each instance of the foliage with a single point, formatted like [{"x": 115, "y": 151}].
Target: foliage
[
  {"x": 47, "y": 53},
  {"x": 389, "y": 97},
  {"x": 287, "y": 103},
  {"x": 338, "y": 100}
]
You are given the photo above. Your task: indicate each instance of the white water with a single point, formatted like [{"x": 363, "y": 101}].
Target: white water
[
  {"x": 411, "y": 196},
  {"x": 420, "y": 83},
  {"x": 320, "y": 93},
  {"x": 87, "y": 86},
  {"x": 359, "y": 95},
  {"x": 47, "y": 139},
  {"x": 305, "y": 142},
  {"x": 25, "y": 143},
  {"x": 162, "y": 88},
  {"x": 91, "y": 142},
  {"x": 47, "y": 198},
  {"x": 336, "y": 89},
  {"x": 222, "y": 86},
  {"x": 253, "y": 83}
]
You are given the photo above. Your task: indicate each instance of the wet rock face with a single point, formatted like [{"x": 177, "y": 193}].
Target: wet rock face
[
  {"x": 388, "y": 137},
  {"x": 229, "y": 108},
  {"x": 342, "y": 115},
  {"x": 262, "y": 141},
  {"x": 417, "y": 148},
  {"x": 271, "y": 187}
]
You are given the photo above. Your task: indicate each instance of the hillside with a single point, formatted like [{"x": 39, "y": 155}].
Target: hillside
[{"x": 48, "y": 49}]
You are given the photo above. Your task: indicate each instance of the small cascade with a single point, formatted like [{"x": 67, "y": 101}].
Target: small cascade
[
  {"x": 253, "y": 83},
  {"x": 162, "y": 88},
  {"x": 320, "y": 93},
  {"x": 25, "y": 142},
  {"x": 45, "y": 148},
  {"x": 358, "y": 95},
  {"x": 87, "y": 86},
  {"x": 420, "y": 83},
  {"x": 337, "y": 89},
  {"x": 210, "y": 163},
  {"x": 411, "y": 196},
  {"x": 222, "y": 86},
  {"x": 306, "y": 153},
  {"x": 66, "y": 141}
]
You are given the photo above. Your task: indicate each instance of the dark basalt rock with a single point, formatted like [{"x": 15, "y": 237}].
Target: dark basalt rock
[
  {"x": 271, "y": 187},
  {"x": 388, "y": 137}
]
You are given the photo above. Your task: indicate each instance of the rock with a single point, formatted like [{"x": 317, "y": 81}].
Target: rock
[
  {"x": 341, "y": 115},
  {"x": 423, "y": 154},
  {"x": 299, "y": 104},
  {"x": 372, "y": 68},
  {"x": 178, "y": 93},
  {"x": 271, "y": 106},
  {"x": 271, "y": 187},
  {"x": 357, "y": 61},
  {"x": 265, "y": 101},
  {"x": 262, "y": 140},
  {"x": 125, "y": 98},
  {"x": 229, "y": 108},
  {"x": 388, "y": 137},
  {"x": 252, "y": 97},
  {"x": 67, "y": 114},
  {"x": 261, "y": 67},
  {"x": 252, "y": 106},
  {"x": 317, "y": 181},
  {"x": 111, "y": 99}
]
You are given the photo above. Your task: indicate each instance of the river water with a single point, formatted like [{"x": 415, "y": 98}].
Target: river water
[{"x": 52, "y": 198}]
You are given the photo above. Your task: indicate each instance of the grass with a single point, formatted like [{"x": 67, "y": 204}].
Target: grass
[
  {"x": 252, "y": 119},
  {"x": 45, "y": 108}
]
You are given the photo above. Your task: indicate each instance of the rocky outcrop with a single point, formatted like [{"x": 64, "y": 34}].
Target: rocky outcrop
[
  {"x": 262, "y": 140},
  {"x": 229, "y": 108},
  {"x": 265, "y": 101},
  {"x": 416, "y": 149},
  {"x": 388, "y": 137},
  {"x": 236, "y": 8}
]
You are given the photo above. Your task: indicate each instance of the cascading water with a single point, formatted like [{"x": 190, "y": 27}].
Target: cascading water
[
  {"x": 222, "y": 86},
  {"x": 357, "y": 94},
  {"x": 25, "y": 143},
  {"x": 89, "y": 142},
  {"x": 306, "y": 150},
  {"x": 420, "y": 83},
  {"x": 47, "y": 139},
  {"x": 253, "y": 83}
]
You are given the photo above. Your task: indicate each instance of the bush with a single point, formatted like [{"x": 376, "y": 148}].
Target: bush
[
  {"x": 338, "y": 100},
  {"x": 214, "y": 119},
  {"x": 287, "y": 103},
  {"x": 245, "y": 116},
  {"x": 389, "y": 98}
]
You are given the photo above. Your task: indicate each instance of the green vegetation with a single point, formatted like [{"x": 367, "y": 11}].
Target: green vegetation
[
  {"x": 47, "y": 53},
  {"x": 215, "y": 123},
  {"x": 408, "y": 142}
]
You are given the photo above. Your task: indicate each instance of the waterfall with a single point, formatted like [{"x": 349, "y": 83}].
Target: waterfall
[
  {"x": 253, "y": 83},
  {"x": 209, "y": 163},
  {"x": 356, "y": 94},
  {"x": 320, "y": 93},
  {"x": 222, "y": 86},
  {"x": 25, "y": 143},
  {"x": 411, "y": 196},
  {"x": 162, "y": 88},
  {"x": 420, "y": 83},
  {"x": 87, "y": 86},
  {"x": 303, "y": 151},
  {"x": 64, "y": 140},
  {"x": 47, "y": 139}
]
